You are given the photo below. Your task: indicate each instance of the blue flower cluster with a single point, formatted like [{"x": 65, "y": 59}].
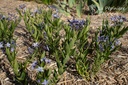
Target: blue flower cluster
[
  {"x": 35, "y": 65},
  {"x": 118, "y": 19},
  {"x": 34, "y": 45},
  {"x": 11, "y": 45},
  {"x": 46, "y": 60},
  {"x": 10, "y": 17},
  {"x": 23, "y": 9},
  {"x": 38, "y": 68},
  {"x": 104, "y": 41},
  {"x": 77, "y": 24},
  {"x": 22, "y": 6},
  {"x": 102, "y": 38}
]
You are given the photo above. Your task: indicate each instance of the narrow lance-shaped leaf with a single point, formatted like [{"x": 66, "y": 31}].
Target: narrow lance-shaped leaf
[
  {"x": 71, "y": 44},
  {"x": 67, "y": 48},
  {"x": 10, "y": 58},
  {"x": 16, "y": 67},
  {"x": 1, "y": 25},
  {"x": 43, "y": 55},
  {"x": 67, "y": 57},
  {"x": 71, "y": 3},
  {"x": 79, "y": 9},
  {"x": 124, "y": 30},
  {"x": 96, "y": 3},
  {"x": 22, "y": 76},
  {"x": 59, "y": 64}
]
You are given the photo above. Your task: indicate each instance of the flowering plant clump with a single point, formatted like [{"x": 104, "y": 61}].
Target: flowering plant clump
[
  {"x": 52, "y": 38},
  {"x": 73, "y": 42},
  {"x": 7, "y": 26},
  {"x": 33, "y": 21},
  {"x": 18, "y": 68},
  {"x": 43, "y": 73},
  {"x": 35, "y": 25},
  {"x": 107, "y": 41}
]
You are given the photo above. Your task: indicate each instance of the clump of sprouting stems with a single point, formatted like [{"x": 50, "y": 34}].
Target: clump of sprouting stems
[
  {"x": 107, "y": 40},
  {"x": 7, "y": 26},
  {"x": 53, "y": 39},
  {"x": 8, "y": 46}
]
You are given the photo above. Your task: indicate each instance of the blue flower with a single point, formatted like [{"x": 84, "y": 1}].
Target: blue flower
[
  {"x": 22, "y": 6},
  {"x": 101, "y": 47},
  {"x": 11, "y": 17},
  {"x": 55, "y": 15},
  {"x": 40, "y": 69},
  {"x": 30, "y": 50},
  {"x": 38, "y": 81},
  {"x": 82, "y": 22},
  {"x": 117, "y": 42},
  {"x": 37, "y": 11},
  {"x": 34, "y": 65},
  {"x": 12, "y": 49},
  {"x": 13, "y": 42},
  {"x": 36, "y": 44},
  {"x": 112, "y": 47},
  {"x": 8, "y": 44},
  {"x": 46, "y": 48},
  {"x": 113, "y": 19},
  {"x": 1, "y": 45},
  {"x": 45, "y": 82},
  {"x": 46, "y": 60},
  {"x": 103, "y": 38},
  {"x": 121, "y": 20}
]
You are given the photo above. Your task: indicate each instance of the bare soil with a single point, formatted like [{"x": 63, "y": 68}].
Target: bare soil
[{"x": 113, "y": 71}]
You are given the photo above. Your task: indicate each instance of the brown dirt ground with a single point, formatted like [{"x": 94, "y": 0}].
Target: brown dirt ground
[{"x": 113, "y": 72}]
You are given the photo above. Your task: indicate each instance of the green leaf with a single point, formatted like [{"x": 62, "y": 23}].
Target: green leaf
[
  {"x": 10, "y": 58},
  {"x": 1, "y": 25},
  {"x": 22, "y": 76},
  {"x": 67, "y": 49},
  {"x": 97, "y": 4},
  {"x": 71, "y": 44},
  {"x": 79, "y": 9},
  {"x": 59, "y": 64},
  {"x": 43, "y": 55},
  {"x": 124, "y": 30},
  {"x": 16, "y": 67},
  {"x": 71, "y": 3},
  {"x": 13, "y": 55},
  {"x": 60, "y": 70},
  {"x": 66, "y": 59}
]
